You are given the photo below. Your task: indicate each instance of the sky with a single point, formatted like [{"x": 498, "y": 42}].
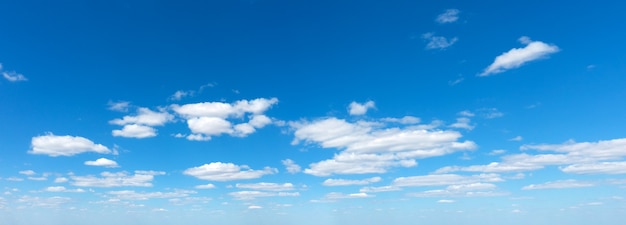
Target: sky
[{"x": 312, "y": 112}]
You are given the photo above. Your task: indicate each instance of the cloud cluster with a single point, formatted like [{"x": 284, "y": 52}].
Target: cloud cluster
[
  {"x": 448, "y": 16},
  {"x": 438, "y": 42},
  {"x": 119, "y": 179},
  {"x": 142, "y": 124},
  {"x": 209, "y": 119},
  {"x": 374, "y": 146}
]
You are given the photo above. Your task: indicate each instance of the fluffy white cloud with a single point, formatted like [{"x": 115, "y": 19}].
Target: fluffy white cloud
[
  {"x": 338, "y": 195},
  {"x": 373, "y": 147},
  {"x": 517, "y": 57},
  {"x": 462, "y": 123},
  {"x": 560, "y": 184},
  {"x": 254, "y": 207},
  {"x": 343, "y": 182},
  {"x": 119, "y": 179},
  {"x": 597, "y": 168},
  {"x": 53, "y": 145},
  {"x": 356, "y": 108},
  {"x": 438, "y": 42},
  {"x": 178, "y": 95},
  {"x": 102, "y": 162},
  {"x": 446, "y": 201},
  {"x": 135, "y": 131},
  {"x": 380, "y": 189},
  {"x": 61, "y": 180},
  {"x": 212, "y": 118},
  {"x": 291, "y": 166},
  {"x": 448, "y": 16},
  {"x": 218, "y": 171},
  {"x": 146, "y": 117},
  {"x": 133, "y": 195}
]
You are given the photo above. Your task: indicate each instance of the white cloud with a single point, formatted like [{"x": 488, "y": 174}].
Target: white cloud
[
  {"x": 14, "y": 179},
  {"x": 13, "y": 76},
  {"x": 135, "y": 131},
  {"x": 102, "y": 162},
  {"x": 448, "y": 16},
  {"x": 133, "y": 195},
  {"x": 212, "y": 118},
  {"x": 560, "y": 184},
  {"x": 517, "y": 57},
  {"x": 53, "y": 145},
  {"x": 205, "y": 186},
  {"x": 60, "y": 180},
  {"x": 291, "y": 166},
  {"x": 218, "y": 171},
  {"x": 178, "y": 95},
  {"x": 490, "y": 113},
  {"x": 466, "y": 113},
  {"x": 146, "y": 117},
  {"x": 380, "y": 189},
  {"x": 50, "y": 202},
  {"x": 27, "y": 172},
  {"x": 254, "y": 207},
  {"x": 119, "y": 179},
  {"x": 445, "y": 179},
  {"x": 517, "y": 138},
  {"x": 446, "y": 201},
  {"x": 403, "y": 120},
  {"x": 249, "y": 195},
  {"x": 597, "y": 168},
  {"x": 120, "y": 106},
  {"x": 63, "y": 189},
  {"x": 497, "y": 152},
  {"x": 343, "y": 182},
  {"x": 267, "y": 186},
  {"x": 337, "y": 195},
  {"x": 357, "y": 109},
  {"x": 438, "y": 42},
  {"x": 373, "y": 147},
  {"x": 462, "y": 123},
  {"x": 462, "y": 190}
]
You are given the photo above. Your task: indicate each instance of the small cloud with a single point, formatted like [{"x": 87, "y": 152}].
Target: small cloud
[
  {"x": 490, "y": 113},
  {"x": 120, "y": 106},
  {"x": 532, "y": 106},
  {"x": 254, "y": 207},
  {"x": 517, "y": 138},
  {"x": 205, "y": 186},
  {"x": 438, "y": 42},
  {"x": 178, "y": 95},
  {"x": 103, "y": 162},
  {"x": 13, "y": 76},
  {"x": 448, "y": 16},
  {"x": 357, "y": 109},
  {"x": 497, "y": 152},
  {"x": 27, "y": 172},
  {"x": 455, "y": 82},
  {"x": 591, "y": 67},
  {"x": 446, "y": 201},
  {"x": 291, "y": 166},
  {"x": 517, "y": 57},
  {"x": 466, "y": 113}
]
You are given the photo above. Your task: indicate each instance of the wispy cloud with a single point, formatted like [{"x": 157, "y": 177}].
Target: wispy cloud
[
  {"x": 517, "y": 57},
  {"x": 448, "y": 16},
  {"x": 356, "y": 108},
  {"x": 12, "y": 76},
  {"x": 438, "y": 42}
]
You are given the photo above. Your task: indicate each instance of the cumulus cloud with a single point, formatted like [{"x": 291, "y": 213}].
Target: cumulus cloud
[
  {"x": 403, "y": 120},
  {"x": 133, "y": 195},
  {"x": 291, "y": 166},
  {"x": 119, "y": 179},
  {"x": 104, "y": 162},
  {"x": 249, "y": 195},
  {"x": 205, "y": 186},
  {"x": 448, "y": 16},
  {"x": 357, "y": 109},
  {"x": 27, "y": 172},
  {"x": 462, "y": 123},
  {"x": 373, "y": 147},
  {"x": 343, "y": 182},
  {"x": 438, "y": 42},
  {"x": 517, "y": 57},
  {"x": 135, "y": 131},
  {"x": 53, "y": 145},
  {"x": 63, "y": 189},
  {"x": 446, "y": 201},
  {"x": 218, "y": 171},
  {"x": 560, "y": 184},
  {"x": 267, "y": 186},
  {"x": 215, "y": 118},
  {"x": 178, "y": 95},
  {"x": 597, "y": 168}
]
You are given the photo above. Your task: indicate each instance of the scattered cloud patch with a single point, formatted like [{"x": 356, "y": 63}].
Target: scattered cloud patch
[
  {"x": 344, "y": 182},
  {"x": 205, "y": 186},
  {"x": 438, "y": 42},
  {"x": 517, "y": 57},
  {"x": 380, "y": 189},
  {"x": 448, "y": 16},
  {"x": 27, "y": 172},
  {"x": 560, "y": 184},
  {"x": 141, "y": 124},
  {"x": 445, "y": 179},
  {"x": 462, "y": 123},
  {"x": 338, "y": 195},
  {"x": 517, "y": 138},
  {"x": 119, "y": 106},
  {"x": 250, "y": 195},
  {"x": 53, "y": 145},
  {"x": 357, "y": 109},
  {"x": 63, "y": 189},
  {"x": 597, "y": 168},
  {"x": 267, "y": 186},
  {"x": 218, "y": 171},
  {"x": 12, "y": 76},
  {"x": 446, "y": 201},
  {"x": 119, "y": 179},
  {"x": 135, "y": 131},
  {"x": 104, "y": 162},
  {"x": 291, "y": 166},
  {"x": 133, "y": 195},
  {"x": 178, "y": 95}
]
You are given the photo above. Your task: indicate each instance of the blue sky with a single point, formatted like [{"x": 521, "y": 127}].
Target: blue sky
[{"x": 276, "y": 112}]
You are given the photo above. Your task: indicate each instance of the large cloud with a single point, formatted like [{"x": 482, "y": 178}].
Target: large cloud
[
  {"x": 67, "y": 145},
  {"x": 374, "y": 146}
]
